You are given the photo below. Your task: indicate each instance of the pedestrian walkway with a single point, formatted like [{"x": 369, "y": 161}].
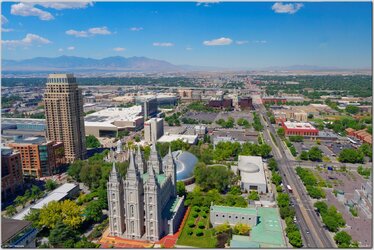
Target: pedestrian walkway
[{"x": 169, "y": 241}]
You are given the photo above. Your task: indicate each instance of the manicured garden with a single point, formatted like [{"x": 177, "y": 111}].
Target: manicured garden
[{"x": 197, "y": 231}]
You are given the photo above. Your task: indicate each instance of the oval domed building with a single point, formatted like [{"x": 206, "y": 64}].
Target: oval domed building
[{"x": 185, "y": 163}]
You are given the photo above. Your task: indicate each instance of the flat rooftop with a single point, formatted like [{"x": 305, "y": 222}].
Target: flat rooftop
[
  {"x": 191, "y": 139},
  {"x": 31, "y": 140},
  {"x": 56, "y": 195},
  {"x": 11, "y": 227},
  {"x": 108, "y": 116},
  {"x": 268, "y": 232},
  {"x": 299, "y": 125},
  {"x": 23, "y": 121},
  {"x": 233, "y": 210}
]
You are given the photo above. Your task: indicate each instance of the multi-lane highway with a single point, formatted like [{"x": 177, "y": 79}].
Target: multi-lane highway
[{"x": 314, "y": 235}]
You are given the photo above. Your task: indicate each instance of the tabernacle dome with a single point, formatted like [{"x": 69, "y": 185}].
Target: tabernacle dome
[{"x": 185, "y": 163}]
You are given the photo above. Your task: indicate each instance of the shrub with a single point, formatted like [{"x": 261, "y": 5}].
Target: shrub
[
  {"x": 191, "y": 223},
  {"x": 196, "y": 209},
  {"x": 199, "y": 232},
  {"x": 195, "y": 215},
  {"x": 204, "y": 215},
  {"x": 189, "y": 231},
  {"x": 201, "y": 225}
]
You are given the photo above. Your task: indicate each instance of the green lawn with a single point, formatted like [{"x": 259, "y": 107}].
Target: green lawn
[{"x": 208, "y": 240}]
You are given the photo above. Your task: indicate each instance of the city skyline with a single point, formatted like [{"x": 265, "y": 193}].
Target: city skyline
[{"x": 225, "y": 34}]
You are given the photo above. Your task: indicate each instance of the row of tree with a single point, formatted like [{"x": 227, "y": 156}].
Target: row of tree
[
  {"x": 310, "y": 182},
  {"x": 314, "y": 154}
]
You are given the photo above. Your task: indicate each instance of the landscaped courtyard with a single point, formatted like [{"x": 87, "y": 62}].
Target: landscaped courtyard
[{"x": 197, "y": 231}]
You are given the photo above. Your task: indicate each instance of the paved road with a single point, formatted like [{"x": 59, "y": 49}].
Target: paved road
[{"x": 314, "y": 235}]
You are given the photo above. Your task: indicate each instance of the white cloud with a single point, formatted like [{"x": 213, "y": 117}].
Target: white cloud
[
  {"x": 163, "y": 44},
  {"x": 70, "y": 48},
  {"x": 189, "y": 48},
  {"x": 241, "y": 42},
  {"x": 289, "y": 8},
  {"x": 118, "y": 49},
  {"x": 90, "y": 32},
  {"x": 99, "y": 31},
  {"x": 4, "y": 20},
  {"x": 28, "y": 9},
  {"x": 30, "y": 39},
  {"x": 66, "y": 5},
  {"x": 136, "y": 28},
  {"x": 77, "y": 33},
  {"x": 219, "y": 41},
  {"x": 206, "y": 3},
  {"x": 260, "y": 41},
  {"x": 60, "y": 49}
]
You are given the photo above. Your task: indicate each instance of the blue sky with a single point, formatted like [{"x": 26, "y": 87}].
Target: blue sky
[{"x": 225, "y": 34}]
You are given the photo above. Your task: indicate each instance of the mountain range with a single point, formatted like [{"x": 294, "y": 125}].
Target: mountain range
[{"x": 123, "y": 64}]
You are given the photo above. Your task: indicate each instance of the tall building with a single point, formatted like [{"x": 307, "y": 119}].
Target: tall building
[
  {"x": 11, "y": 172},
  {"x": 63, "y": 103},
  {"x": 145, "y": 205},
  {"x": 40, "y": 158},
  {"x": 153, "y": 129},
  {"x": 150, "y": 107}
]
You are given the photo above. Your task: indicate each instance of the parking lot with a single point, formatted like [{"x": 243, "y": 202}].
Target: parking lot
[
  {"x": 307, "y": 145},
  {"x": 202, "y": 116},
  {"x": 358, "y": 227}
]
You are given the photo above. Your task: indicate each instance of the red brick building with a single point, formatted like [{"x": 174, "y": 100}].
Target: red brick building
[
  {"x": 362, "y": 135},
  {"x": 245, "y": 102},
  {"x": 39, "y": 158},
  {"x": 299, "y": 128},
  {"x": 11, "y": 173},
  {"x": 273, "y": 100}
]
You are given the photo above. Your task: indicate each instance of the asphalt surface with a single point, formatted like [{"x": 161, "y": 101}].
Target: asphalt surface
[{"x": 313, "y": 233}]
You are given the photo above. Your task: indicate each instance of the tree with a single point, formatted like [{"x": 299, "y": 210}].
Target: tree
[
  {"x": 331, "y": 223},
  {"x": 201, "y": 225},
  {"x": 283, "y": 200},
  {"x": 214, "y": 177},
  {"x": 92, "y": 142},
  {"x": 222, "y": 228},
  {"x": 342, "y": 238},
  {"x": 137, "y": 138},
  {"x": 304, "y": 155},
  {"x": 93, "y": 211},
  {"x": 235, "y": 190},
  {"x": 34, "y": 217},
  {"x": 351, "y": 156},
  {"x": 67, "y": 212},
  {"x": 50, "y": 185},
  {"x": 242, "y": 229},
  {"x": 276, "y": 178},
  {"x": 295, "y": 239},
  {"x": 310, "y": 116},
  {"x": 75, "y": 169},
  {"x": 181, "y": 188},
  {"x": 273, "y": 165},
  {"x": 315, "y": 154},
  {"x": 286, "y": 212},
  {"x": 281, "y": 132},
  {"x": 253, "y": 195},
  {"x": 321, "y": 207},
  {"x": 20, "y": 200},
  {"x": 84, "y": 243},
  {"x": 10, "y": 211},
  {"x": 122, "y": 133},
  {"x": 61, "y": 234},
  {"x": 352, "y": 109},
  {"x": 35, "y": 192}
]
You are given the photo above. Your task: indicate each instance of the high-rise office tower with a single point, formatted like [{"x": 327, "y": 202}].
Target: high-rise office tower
[{"x": 63, "y": 103}]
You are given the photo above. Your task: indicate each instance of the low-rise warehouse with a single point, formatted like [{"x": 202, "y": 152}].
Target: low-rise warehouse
[{"x": 299, "y": 128}]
